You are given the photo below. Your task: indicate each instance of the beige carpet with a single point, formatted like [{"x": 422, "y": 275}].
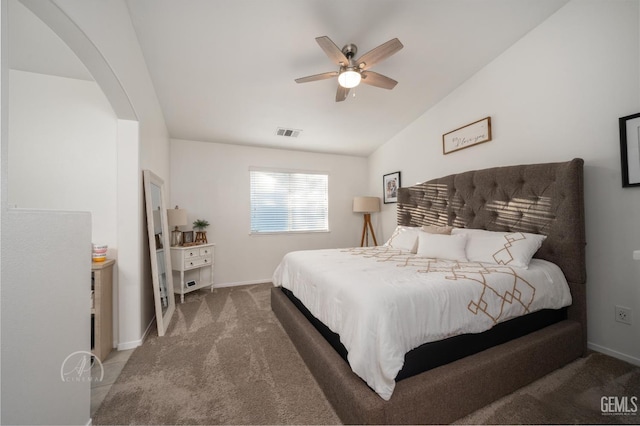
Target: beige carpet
[
  {"x": 571, "y": 395},
  {"x": 226, "y": 360}
]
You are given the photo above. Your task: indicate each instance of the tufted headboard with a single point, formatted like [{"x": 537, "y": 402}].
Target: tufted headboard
[{"x": 538, "y": 198}]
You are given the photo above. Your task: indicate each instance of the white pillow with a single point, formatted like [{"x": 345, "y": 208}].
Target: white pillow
[
  {"x": 502, "y": 248},
  {"x": 442, "y": 246},
  {"x": 404, "y": 238}
]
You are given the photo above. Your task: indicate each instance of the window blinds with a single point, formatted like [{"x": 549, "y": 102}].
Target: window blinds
[{"x": 289, "y": 201}]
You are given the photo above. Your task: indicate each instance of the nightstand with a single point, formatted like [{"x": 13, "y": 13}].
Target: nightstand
[{"x": 199, "y": 259}]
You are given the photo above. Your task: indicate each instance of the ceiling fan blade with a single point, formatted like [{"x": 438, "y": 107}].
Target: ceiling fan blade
[
  {"x": 342, "y": 93},
  {"x": 378, "y": 54},
  {"x": 374, "y": 79},
  {"x": 316, "y": 77},
  {"x": 333, "y": 52}
]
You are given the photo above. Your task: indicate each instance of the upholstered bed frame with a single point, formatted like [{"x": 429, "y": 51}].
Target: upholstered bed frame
[{"x": 540, "y": 198}]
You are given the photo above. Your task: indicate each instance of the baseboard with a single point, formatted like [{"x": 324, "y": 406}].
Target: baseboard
[
  {"x": 615, "y": 354},
  {"x": 123, "y": 346},
  {"x": 239, "y": 283},
  {"x": 147, "y": 330}
]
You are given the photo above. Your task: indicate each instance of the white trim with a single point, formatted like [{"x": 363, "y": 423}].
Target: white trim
[
  {"x": 285, "y": 170},
  {"x": 147, "y": 330},
  {"x": 129, "y": 345},
  {"x": 615, "y": 354},
  {"x": 239, "y": 283},
  {"x": 322, "y": 231},
  {"x": 123, "y": 346}
]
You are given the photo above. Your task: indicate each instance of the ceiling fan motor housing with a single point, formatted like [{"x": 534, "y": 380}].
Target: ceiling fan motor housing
[{"x": 350, "y": 50}]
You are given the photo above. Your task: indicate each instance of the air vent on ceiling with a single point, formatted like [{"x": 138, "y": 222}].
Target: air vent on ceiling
[{"x": 289, "y": 133}]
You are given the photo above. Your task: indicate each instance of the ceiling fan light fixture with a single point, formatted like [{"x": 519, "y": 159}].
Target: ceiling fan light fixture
[{"x": 349, "y": 78}]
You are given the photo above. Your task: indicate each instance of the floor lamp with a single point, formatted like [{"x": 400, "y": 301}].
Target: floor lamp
[{"x": 367, "y": 205}]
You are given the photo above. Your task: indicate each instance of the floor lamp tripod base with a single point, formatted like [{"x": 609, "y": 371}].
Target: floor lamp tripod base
[{"x": 365, "y": 231}]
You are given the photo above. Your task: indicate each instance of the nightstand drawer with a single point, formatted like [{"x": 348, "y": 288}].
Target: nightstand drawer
[
  {"x": 197, "y": 262},
  {"x": 191, "y": 253},
  {"x": 193, "y": 263},
  {"x": 206, "y": 251}
]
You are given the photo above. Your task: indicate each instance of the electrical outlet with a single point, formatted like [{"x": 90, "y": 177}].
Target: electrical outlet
[{"x": 623, "y": 315}]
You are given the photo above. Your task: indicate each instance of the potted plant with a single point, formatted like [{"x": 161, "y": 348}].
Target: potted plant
[{"x": 201, "y": 235}]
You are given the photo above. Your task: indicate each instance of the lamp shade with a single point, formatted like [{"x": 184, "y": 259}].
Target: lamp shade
[
  {"x": 177, "y": 217},
  {"x": 366, "y": 204}
]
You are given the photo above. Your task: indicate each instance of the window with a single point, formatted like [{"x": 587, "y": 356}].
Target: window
[{"x": 284, "y": 201}]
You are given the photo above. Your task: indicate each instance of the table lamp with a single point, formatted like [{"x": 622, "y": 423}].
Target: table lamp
[
  {"x": 176, "y": 217},
  {"x": 366, "y": 205}
]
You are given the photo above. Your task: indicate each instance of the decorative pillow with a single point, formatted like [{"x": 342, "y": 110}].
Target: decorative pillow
[
  {"x": 404, "y": 238},
  {"x": 435, "y": 229},
  {"x": 441, "y": 246},
  {"x": 503, "y": 248}
]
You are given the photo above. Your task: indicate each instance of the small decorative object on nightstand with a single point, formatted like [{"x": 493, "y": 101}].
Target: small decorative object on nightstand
[
  {"x": 188, "y": 260},
  {"x": 201, "y": 235}
]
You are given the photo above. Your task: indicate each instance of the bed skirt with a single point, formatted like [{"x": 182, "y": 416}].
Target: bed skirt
[{"x": 441, "y": 395}]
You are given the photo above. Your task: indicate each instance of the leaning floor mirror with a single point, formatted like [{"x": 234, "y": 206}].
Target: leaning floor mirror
[{"x": 158, "y": 230}]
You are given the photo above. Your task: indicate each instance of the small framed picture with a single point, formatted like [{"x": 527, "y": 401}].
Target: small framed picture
[
  {"x": 390, "y": 186},
  {"x": 630, "y": 150},
  {"x": 187, "y": 237}
]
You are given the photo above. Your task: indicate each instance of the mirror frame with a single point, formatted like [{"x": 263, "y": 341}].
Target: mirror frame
[{"x": 162, "y": 321}]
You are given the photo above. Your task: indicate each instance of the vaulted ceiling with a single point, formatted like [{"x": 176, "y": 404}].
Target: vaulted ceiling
[{"x": 224, "y": 70}]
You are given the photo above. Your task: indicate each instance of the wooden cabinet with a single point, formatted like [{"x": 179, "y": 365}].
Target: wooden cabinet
[
  {"x": 193, "y": 258},
  {"x": 102, "y": 308}
]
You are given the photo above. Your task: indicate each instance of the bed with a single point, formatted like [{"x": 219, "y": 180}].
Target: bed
[{"x": 545, "y": 199}]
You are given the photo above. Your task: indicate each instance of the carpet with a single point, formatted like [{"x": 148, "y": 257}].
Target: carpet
[
  {"x": 226, "y": 360},
  {"x": 571, "y": 395}
]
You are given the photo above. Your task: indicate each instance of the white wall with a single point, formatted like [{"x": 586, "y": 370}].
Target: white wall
[
  {"x": 44, "y": 324},
  {"x": 555, "y": 95},
  {"x": 108, "y": 27},
  {"x": 62, "y": 145},
  {"x": 211, "y": 181}
]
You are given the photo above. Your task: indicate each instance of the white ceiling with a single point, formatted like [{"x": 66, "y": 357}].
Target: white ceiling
[{"x": 224, "y": 70}]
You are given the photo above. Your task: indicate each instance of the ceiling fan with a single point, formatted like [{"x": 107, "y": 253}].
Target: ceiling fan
[{"x": 353, "y": 72}]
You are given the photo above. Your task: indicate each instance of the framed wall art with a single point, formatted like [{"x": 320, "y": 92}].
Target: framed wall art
[
  {"x": 630, "y": 150},
  {"x": 390, "y": 185},
  {"x": 466, "y": 136}
]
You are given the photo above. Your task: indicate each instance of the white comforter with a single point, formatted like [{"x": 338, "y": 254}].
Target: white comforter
[{"x": 383, "y": 302}]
